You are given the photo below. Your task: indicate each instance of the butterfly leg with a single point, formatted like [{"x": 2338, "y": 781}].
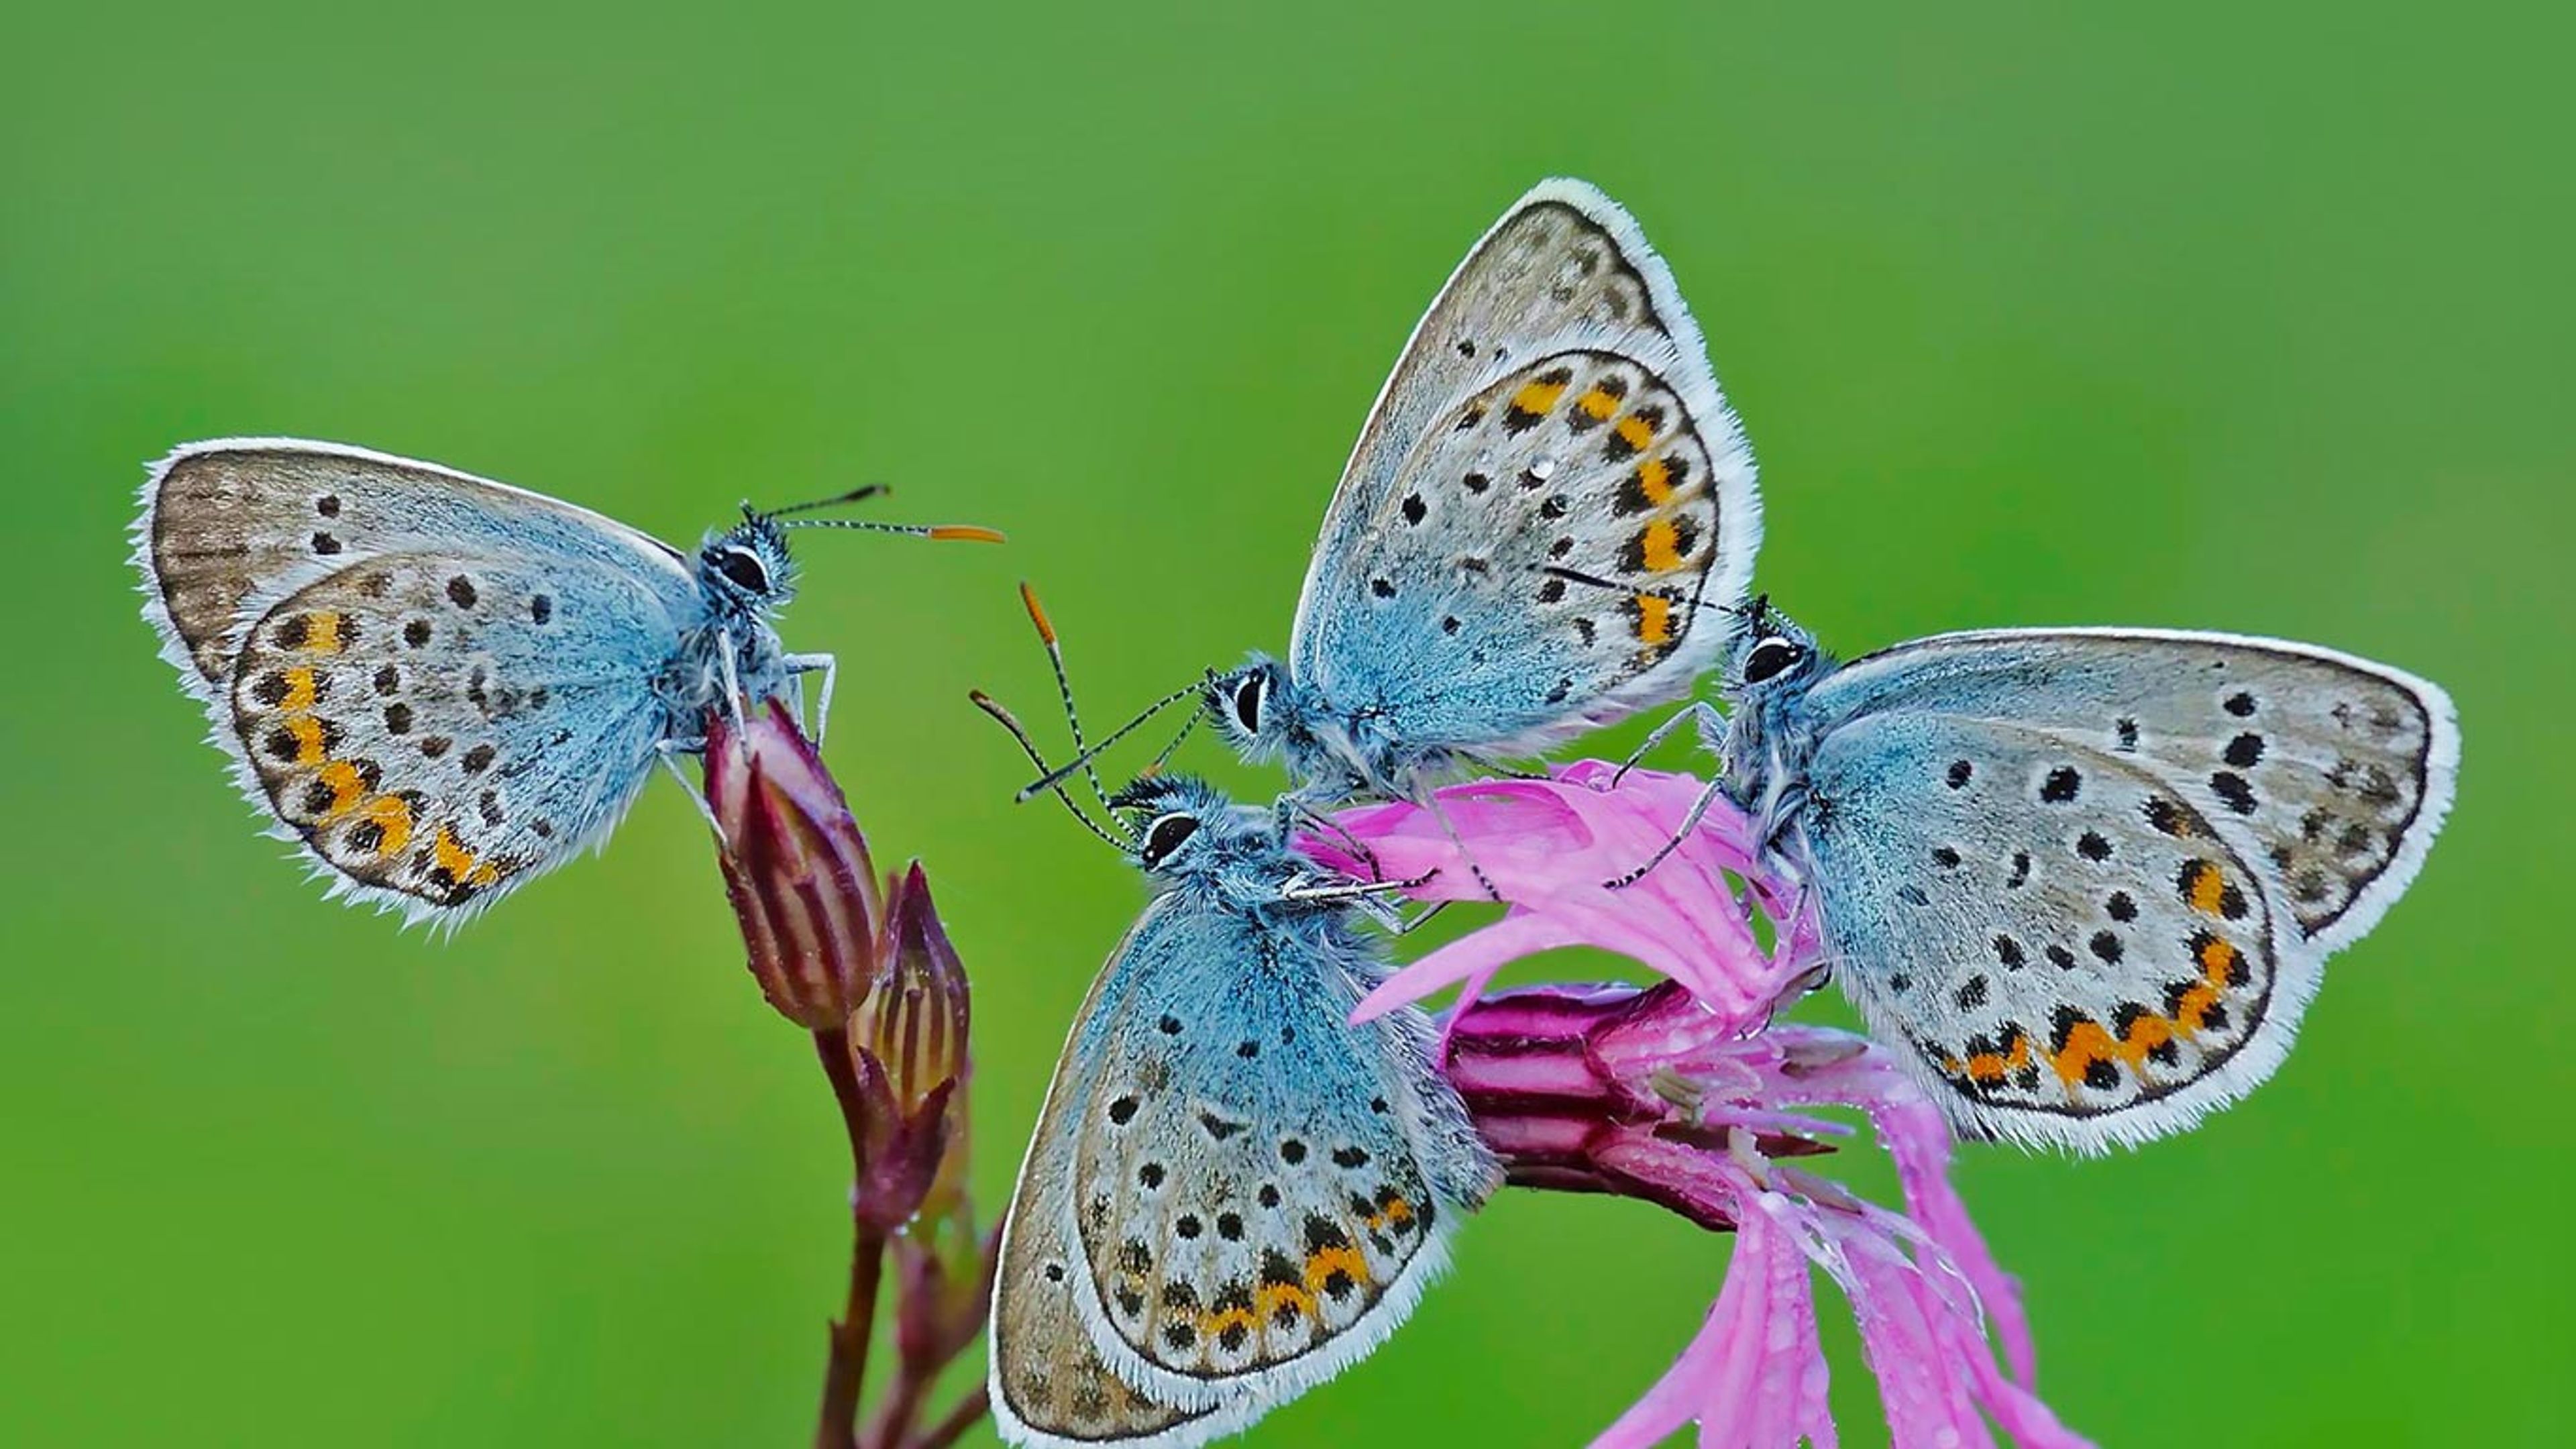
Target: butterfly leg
[
  {"x": 1690, "y": 822},
  {"x": 1450, "y": 828},
  {"x": 1698, "y": 711},
  {"x": 669, "y": 752},
  {"x": 732, "y": 683},
  {"x": 1407, "y": 925},
  {"x": 800, "y": 665},
  {"x": 1299, "y": 888},
  {"x": 1299, "y": 809}
]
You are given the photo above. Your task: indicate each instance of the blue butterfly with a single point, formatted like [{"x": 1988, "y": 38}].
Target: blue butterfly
[
  {"x": 1232, "y": 1194},
  {"x": 1553, "y": 411},
  {"x": 441, "y": 687},
  {"x": 2086, "y": 880}
]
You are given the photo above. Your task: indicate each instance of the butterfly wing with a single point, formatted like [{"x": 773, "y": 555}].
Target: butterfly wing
[
  {"x": 2331, "y": 773},
  {"x": 1048, "y": 1382},
  {"x": 230, "y": 526},
  {"x": 2090, "y": 879},
  {"x": 1555, "y": 407},
  {"x": 434, "y": 730},
  {"x": 2074, "y": 967},
  {"x": 1243, "y": 1193}
]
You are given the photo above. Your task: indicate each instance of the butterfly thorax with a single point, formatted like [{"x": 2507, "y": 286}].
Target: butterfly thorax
[
  {"x": 744, "y": 576},
  {"x": 1771, "y": 732}
]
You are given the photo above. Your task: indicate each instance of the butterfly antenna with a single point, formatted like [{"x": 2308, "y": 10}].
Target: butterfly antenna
[
  {"x": 943, "y": 532},
  {"x": 1155, "y": 767},
  {"x": 1065, "y": 771},
  {"x": 1028, "y": 747},
  {"x": 859, "y": 494},
  {"x": 1082, "y": 755}
]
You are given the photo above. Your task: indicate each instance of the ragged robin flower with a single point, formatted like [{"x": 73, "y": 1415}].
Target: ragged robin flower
[
  {"x": 1690, "y": 1096},
  {"x": 869, "y": 971}
]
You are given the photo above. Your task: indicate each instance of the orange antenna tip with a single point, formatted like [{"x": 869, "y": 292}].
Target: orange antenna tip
[
  {"x": 966, "y": 533},
  {"x": 1037, "y": 615}
]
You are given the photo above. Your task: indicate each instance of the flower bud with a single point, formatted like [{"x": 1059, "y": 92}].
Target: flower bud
[
  {"x": 907, "y": 1045},
  {"x": 795, "y": 867}
]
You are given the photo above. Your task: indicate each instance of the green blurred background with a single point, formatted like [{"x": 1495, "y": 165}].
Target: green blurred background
[{"x": 2204, "y": 317}]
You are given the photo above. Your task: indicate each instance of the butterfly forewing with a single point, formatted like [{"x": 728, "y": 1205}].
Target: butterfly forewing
[
  {"x": 230, "y": 526},
  {"x": 2069, "y": 950},
  {"x": 2333, "y": 773},
  {"x": 1238, "y": 1193},
  {"x": 1254, "y": 1197},
  {"x": 438, "y": 729},
  {"x": 1050, "y": 1382},
  {"x": 1554, "y": 409}
]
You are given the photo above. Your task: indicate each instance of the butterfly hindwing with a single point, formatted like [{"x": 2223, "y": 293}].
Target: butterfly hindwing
[
  {"x": 2068, "y": 951},
  {"x": 1554, "y": 408},
  {"x": 436, "y": 730},
  {"x": 2332, "y": 773}
]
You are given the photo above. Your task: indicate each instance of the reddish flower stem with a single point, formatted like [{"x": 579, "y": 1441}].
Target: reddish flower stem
[
  {"x": 902, "y": 1409},
  {"x": 846, "y": 1365},
  {"x": 949, "y": 1430}
]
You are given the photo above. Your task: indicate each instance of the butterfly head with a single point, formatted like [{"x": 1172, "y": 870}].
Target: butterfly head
[
  {"x": 1771, "y": 658},
  {"x": 747, "y": 567},
  {"x": 1252, "y": 706},
  {"x": 1184, "y": 828}
]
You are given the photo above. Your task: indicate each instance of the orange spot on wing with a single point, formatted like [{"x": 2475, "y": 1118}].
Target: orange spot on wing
[
  {"x": 1598, "y": 404},
  {"x": 301, "y": 690},
  {"x": 1322, "y": 1263},
  {"x": 1538, "y": 397},
  {"x": 1655, "y": 480},
  {"x": 2207, "y": 888},
  {"x": 2217, "y": 961},
  {"x": 2086, "y": 1044},
  {"x": 1636, "y": 432},
  {"x": 1397, "y": 1210},
  {"x": 449, "y": 854},
  {"x": 1212, "y": 1324},
  {"x": 322, "y": 633},
  {"x": 1661, "y": 546},
  {"x": 392, "y": 815},
  {"x": 1995, "y": 1066},
  {"x": 308, "y": 738},
  {"x": 2194, "y": 1009},
  {"x": 1654, "y": 618},
  {"x": 347, "y": 789},
  {"x": 1273, "y": 1297},
  {"x": 2145, "y": 1035}
]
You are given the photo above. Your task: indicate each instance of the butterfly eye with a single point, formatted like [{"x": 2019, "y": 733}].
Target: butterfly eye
[
  {"x": 1768, "y": 658},
  {"x": 1167, "y": 834},
  {"x": 1247, "y": 704},
  {"x": 743, "y": 569}
]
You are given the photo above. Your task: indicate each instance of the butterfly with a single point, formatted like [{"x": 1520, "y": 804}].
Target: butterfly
[
  {"x": 1232, "y": 1193},
  {"x": 2086, "y": 880},
  {"x": 437, "y": 686},
  {"x": 1555, "y": 407}
]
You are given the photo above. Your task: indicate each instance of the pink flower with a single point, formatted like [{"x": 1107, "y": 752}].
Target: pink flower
[{"x": 1687, "y": 1095}]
